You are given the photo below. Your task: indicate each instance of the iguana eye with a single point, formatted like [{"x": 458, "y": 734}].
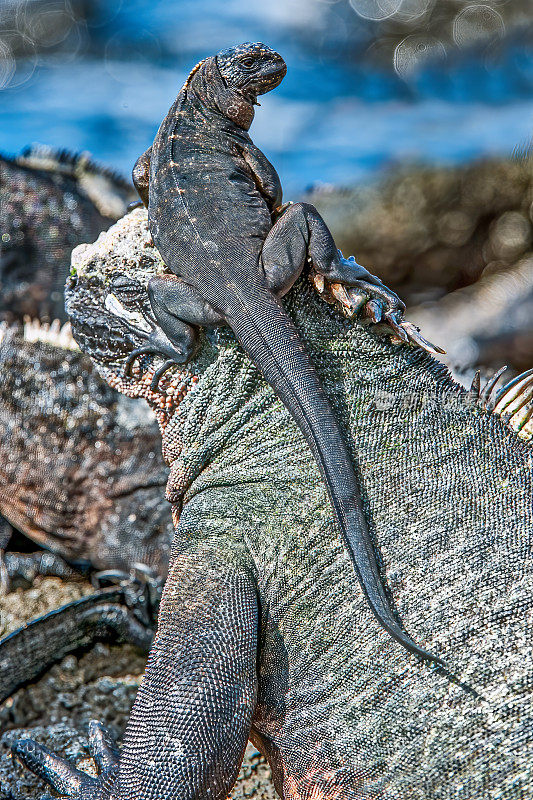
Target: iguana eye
[{"x": 247, "y": 63}]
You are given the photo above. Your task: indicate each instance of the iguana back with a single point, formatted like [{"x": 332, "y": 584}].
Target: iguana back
[{"x": 340, "y": 710}]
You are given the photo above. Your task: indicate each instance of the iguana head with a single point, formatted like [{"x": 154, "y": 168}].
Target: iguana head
[
  {"x": 229, "y": 82},
  {"x": 251, "y": 69},
  {"x": 107, "y": 301}
]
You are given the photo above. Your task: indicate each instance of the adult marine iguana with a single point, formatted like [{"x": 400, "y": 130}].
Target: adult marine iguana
[
  {"x": 81, "y": 471},
  {"x": 213, "y": 200},
  {"x": 263, "y": 630},
  {"x": 50, "y": 201}
]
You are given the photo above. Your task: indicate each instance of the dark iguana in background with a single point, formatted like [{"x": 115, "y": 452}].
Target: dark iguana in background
[
  {"x": 66, "y": 471},
  {"x": 81, "y": 475},
  {"x": 81, "y": 470},
  {"x": 264, "y": 630},
  {"x": 50, "y": 201}
]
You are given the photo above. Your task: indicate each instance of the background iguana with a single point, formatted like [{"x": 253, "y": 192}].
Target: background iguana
[
  {"x": 50, "y": 201},
  {"x": 263, "y": 630},
  {"x": 81, "y": 471}
]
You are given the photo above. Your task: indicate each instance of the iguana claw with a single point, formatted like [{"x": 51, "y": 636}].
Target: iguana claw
[
  {"x": 377, "y": 303},
  {"x": 69, "y": 781},
  {"x": 158, "y": 374},
  {"x": 390, "y": 319},
  {"x": 128, "y": 364},
  {"x": 416, "y": 338},
  {"x": 374, "y": 311}
]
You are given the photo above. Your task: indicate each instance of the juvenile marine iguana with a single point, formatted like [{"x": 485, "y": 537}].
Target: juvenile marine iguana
[
  {"x": 262, "y": 630},
  {"x": 214, "y": 202}
]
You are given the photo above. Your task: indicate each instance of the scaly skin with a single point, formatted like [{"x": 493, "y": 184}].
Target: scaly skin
[
  {"x": 49, "y": 203},
  {"x": 82, "y": 475},
  {"x": 263, "y": 630},
  {"x": 213, "y": 206},
  {"x": 81, "y": 471}
]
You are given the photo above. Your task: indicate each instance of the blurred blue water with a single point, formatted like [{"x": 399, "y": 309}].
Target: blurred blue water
[{"x": 335, "y": 119}]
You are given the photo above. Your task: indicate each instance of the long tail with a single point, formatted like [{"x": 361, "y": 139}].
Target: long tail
[{"x": 271, "y": 340}]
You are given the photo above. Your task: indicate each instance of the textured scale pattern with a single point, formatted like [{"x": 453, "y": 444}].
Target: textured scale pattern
[
  {"x": 257, "y": 567},
  {"x": 449, "y": 493},
  {"x": 81, "y": 471},
  {"x": 47, "y": 207}
]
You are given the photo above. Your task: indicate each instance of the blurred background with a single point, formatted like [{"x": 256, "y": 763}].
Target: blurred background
[
  {"x": 370, "y": 82},
  {"x": 407, "y": 122}
]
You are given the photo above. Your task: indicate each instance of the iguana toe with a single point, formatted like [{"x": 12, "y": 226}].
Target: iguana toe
[
  {"x": 103, "y": 748},
  {"x": 139, "y": 351},
  {"x": 158, "y": 374},
  {"x": 55, "y": 771},
  {"x": 66, "y": 779}
]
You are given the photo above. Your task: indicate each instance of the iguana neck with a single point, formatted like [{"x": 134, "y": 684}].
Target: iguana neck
[{"x": 207, "y": 92}]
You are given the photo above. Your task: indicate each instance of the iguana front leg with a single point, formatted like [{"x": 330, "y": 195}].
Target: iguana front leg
[
  {"x": 264, "y": 174},
  {"x": 179, "y": 310},
  {"x": 190, "y": 722}
]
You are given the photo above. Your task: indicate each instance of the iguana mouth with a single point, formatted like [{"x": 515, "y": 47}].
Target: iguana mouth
[{"x": 267, "y": 81}]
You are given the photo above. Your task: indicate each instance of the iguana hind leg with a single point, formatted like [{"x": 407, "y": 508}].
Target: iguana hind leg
[
  {"x": 301, "y": 233},
  {"x": 178, "y": 310},
  {"x": 191, "y": 720}
]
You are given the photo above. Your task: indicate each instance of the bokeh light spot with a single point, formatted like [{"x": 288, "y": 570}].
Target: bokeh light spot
[
  {"x": 414, "y": 51},
  {"x": 476, "y": 23},
  {"x": 376, "y": 9},
  {"x": 7, "y": 65}
]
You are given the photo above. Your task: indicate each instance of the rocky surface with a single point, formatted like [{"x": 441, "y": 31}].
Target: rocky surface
[
  {"x": 100, "y": 684},
  {"x": 488, "y": 324}
]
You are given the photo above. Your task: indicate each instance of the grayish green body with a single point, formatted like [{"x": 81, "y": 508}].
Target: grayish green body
[
  {"x": 449, "y": 494},
  {"x": 338, "y": 708}
]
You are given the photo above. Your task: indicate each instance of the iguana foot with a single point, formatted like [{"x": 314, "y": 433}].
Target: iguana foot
[
  {"x": 158, "y": 344},
  {"x": 63, "y": 777},
  {"x": 360, "y": 291}
]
